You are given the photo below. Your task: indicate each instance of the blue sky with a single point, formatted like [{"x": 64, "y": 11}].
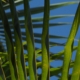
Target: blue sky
[{"x": 59, "y": 30}]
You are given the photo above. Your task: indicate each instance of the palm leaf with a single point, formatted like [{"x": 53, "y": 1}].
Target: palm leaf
[{"x": 69, "y": 45}]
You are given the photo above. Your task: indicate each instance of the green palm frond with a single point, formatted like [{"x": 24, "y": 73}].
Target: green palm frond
[{"x": 19, "y": 54}]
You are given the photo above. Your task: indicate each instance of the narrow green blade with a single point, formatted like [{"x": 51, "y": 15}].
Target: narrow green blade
[
  {"x": 18, "y": 42},
  {"x": 69, "y": 45},
  {"x": 76, "y": 72},
  {"x": 17, "y": 2},
  {"x": 10, "y": 48},
  {"x": 45, "y": 42},
  {"x": 37, "y": 10},
  {"x": 39, "y": 19},
  {"x": 2, "y": 75},
  {"x": 30, "y": 42}
]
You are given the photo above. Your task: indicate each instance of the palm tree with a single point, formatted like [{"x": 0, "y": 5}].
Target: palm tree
[{"x": 15, "y": 62}]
